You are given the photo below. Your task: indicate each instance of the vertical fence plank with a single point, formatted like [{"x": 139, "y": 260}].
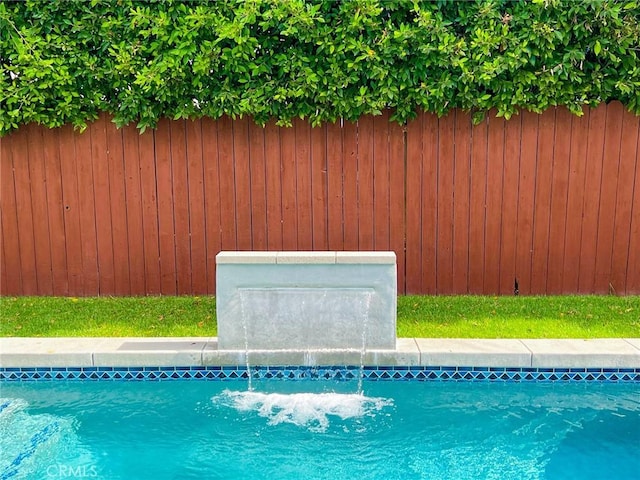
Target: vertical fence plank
[
  {"x": 510, "y": 193},
  {"x": 181, "y": 207},
  {"x": 39, "y": 210},
  {"x": 381, "y": 186},
  {"x": 24, "y": 210},
  {"x": 258, "y": 187},
  {"x": 213, "y": 235},
  {"x": 227, "y": 184},
  {"x": 335, "y": 192},
  {"x": 304, "y": 220},
  {"x": 134, "y": 213},
  {"x": 559, "y": 193},
  {"x": 624, "y": 202},
  {"x": 55, "y": 207},
  {"x": 397, "y": 200},
  {"x": 577, "y": 172},
  {"x": 544, "y": 172},
  {"x": 12, "y": 271},
  {"x": 150, "y": 215},
  {"x": 414, "y": 176},
  {"x": 319, "y": 188},
  {"x": 242, "y": 177},
  {"x": 478, "y": 206},
  {"x": 119, "y": 210},
  {"x": 430, "y": 140},
  {"x": 350, "y": 185},
  {"x": 5, "y": 288},
  {"x": 445, "y": 179},
  {"x": 196, "y": 202},
  {"x": 591, "y": 200},
  {"x": 86, "y": 203},
  {"x": 288, "y": 178},
  {"x": 633, "y": 262},
  {"x": 526, "y": 192},
  {"x": 273, "y": 177},
  {"x": 102, "y": 195},
  {"x": 609, "y": 186},
  {"x": 495, "y": 186},
  {"x": 365, "y": 183},
  {"x": 461, "y": 205},
  {"x": 166, "y": 227}
]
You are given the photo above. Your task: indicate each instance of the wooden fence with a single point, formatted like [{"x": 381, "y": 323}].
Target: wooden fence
[{"x": 544, "y": 204}]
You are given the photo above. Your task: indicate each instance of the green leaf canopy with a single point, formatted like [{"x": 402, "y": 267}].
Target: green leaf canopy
[{"x": 65, "y": 62}]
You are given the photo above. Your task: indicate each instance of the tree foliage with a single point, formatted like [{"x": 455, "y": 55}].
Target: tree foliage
[{"x": 65, "y": 62}]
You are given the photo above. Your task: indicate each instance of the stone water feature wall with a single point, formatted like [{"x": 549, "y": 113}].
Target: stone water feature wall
[{"x": 306, "y": 300}]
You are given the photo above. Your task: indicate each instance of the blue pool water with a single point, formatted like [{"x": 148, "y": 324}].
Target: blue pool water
[{"x": 319, "y": 430}]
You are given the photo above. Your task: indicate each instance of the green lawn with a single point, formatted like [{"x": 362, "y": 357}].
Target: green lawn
[{"x": 418, "y": 316}]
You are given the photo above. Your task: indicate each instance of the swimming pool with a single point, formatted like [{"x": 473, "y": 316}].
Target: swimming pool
[{"x": 319, "y": 429}]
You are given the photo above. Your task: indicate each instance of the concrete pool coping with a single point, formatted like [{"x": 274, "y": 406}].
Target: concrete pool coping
[{"x": 23, "y": 352}]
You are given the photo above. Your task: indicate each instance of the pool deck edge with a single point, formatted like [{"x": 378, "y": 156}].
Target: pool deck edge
[{"x": 27, "y": 352}]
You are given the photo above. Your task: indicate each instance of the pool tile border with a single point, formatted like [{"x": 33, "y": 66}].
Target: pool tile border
[
  {"x": 329, "y": 372},
  {"x": 28, "y": 359}
]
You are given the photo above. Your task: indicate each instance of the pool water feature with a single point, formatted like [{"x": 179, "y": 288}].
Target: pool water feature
[{"x": 320, "y": 429}]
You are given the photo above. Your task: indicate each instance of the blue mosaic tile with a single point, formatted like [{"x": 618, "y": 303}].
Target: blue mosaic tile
[{"x": 336, "y": 373}]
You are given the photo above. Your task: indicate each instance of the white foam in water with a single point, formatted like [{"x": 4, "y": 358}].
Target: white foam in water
[{"x": 309, "y": 410}]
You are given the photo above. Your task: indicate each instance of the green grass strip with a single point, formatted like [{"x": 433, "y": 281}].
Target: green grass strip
[{"x": 418, "y": 316}]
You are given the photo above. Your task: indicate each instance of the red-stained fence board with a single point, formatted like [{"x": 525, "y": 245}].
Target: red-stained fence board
[
  {"x": 413, "y": 222},
  {"x": 335, "y": 192},
  {"x": 461, "y": 187},
  {"x": 559, "y": 194},
  {"x": 119, "y": 210},
  {"x": 166, "y": 228},
  {"x": 39, "y": 210},
  {"x": 608, "y": 190},
  {"x": 591, "y": 199},
  {"x": 478, "y": 206},
  {"x": 350, "y": 185},
  {"x": 227, "y": 184},
  {"x": 213, "y": 240},
  {"x": 365, "y": 183},
  {"x": 181, "y": 207},
  {"x": 542, "y": 209},
  {"x": 633, "y": 262},
  {"x": 446, "y": 165},
  {"x": 624, "y": 201},
  {"x": 258, "y": 187},
  {"x": 319, "y": 187},
  {"x": 53, "y": 175},
  {"x": 510, "y": 193},
  {"x": 11, "y": 268},
  {"x": 303, "y": 202},
  {"x": 150, "y": 226},
  {"x": 273, "y": 179},
  {"x": 242, "y": 176},
  {"x": 134, "y": 212},
  {"x": 526, "y": 197},
  {"x": 197, "y": 223},
  {"x": 429, "y": 199},
  {"x": 493, "y": 227},
  {"x": 381, "y": 186},
  {"x": 397, "y": 194},
  {"x": 102, "y": 196},
  {"x": 288, "y": 179},
  {"x": 576, "y": 192}
]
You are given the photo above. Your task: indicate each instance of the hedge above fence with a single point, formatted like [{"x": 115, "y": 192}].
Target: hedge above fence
[{"x": 65, "y": 62}]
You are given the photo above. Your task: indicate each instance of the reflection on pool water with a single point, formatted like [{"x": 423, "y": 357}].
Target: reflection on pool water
[{"x": 319, "y": 429}]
